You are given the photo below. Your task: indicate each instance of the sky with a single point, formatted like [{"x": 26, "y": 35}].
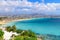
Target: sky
[
  {"x": 48, "y": 7},
  {"x": 46, "y": 1}
]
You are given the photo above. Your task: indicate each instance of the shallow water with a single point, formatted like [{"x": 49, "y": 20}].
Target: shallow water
[{"x": 40, "y": 25}]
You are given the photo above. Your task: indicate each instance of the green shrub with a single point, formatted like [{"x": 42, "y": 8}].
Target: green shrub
[
  {"x": 28, "y": 33},
  {"x": 24, "y": 38}
]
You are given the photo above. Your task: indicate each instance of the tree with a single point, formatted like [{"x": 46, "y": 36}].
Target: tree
[
  {"x": 1, "y": 34},
  {"x": 8, "y": 28},
  {"x": 19, "y": 31},
  {"x": 31, "y": 33},
  {"x": 13, "y": 28}
]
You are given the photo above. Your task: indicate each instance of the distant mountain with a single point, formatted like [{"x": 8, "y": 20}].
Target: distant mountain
[{"x": 28, "y": 14}]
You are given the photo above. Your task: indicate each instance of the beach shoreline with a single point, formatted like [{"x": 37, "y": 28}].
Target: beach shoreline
[
  {"x": 3, "y": 22},
  {"x": 7, "y": 21}
]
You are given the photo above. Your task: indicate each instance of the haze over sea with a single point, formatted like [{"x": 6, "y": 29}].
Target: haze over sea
[{"x": 40, "y": 25}]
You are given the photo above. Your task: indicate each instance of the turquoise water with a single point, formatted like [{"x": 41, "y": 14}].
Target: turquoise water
[{"x": 40, "y": 25}]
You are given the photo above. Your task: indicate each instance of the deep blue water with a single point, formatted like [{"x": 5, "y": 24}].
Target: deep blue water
[{"x": 40, "y": 25}]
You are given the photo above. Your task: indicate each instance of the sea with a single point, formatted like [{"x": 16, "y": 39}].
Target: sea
[{"x": 39, "y": 25}]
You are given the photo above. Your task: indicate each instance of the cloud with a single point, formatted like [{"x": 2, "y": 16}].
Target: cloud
[{"x": 25, "y": 6}]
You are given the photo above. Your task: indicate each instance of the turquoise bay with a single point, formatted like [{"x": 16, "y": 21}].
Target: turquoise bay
[{"x": 39, "y": 25}]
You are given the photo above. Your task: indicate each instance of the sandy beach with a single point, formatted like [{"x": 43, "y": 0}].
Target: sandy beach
[
  {"x": 7, "y": 20},
  {"x": 3, "y": 22}
]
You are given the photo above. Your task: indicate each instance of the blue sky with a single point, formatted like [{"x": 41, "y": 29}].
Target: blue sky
[
  {"x": 50, "y": 1},
  {"x": 48, "y": 7},
  {"x": 46, "y": 1}
]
